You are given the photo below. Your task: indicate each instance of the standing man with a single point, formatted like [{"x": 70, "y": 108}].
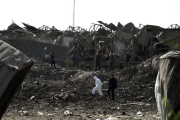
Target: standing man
[
  {"x": 127, "y": 60},
  {"x": 112, "y": 85},
  {"x": 52, "y": 59},
  {"x": 74, "y": 58},
  {"x": 98, "y": 58},
  {"x": 98, "y": 86},
  {"x": 111, "y": 61}
]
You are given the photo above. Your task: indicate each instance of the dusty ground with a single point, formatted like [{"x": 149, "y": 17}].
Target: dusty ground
[{"x": 50, "y": 93}]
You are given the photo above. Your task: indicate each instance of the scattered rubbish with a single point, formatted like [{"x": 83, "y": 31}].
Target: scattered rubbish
[
  {"x": 25, "y": 113},
  {"x": 35, "y": 82},
  {"x": 40, "y": 113},
  {"x": 101, "y": 115},
  {"x": 66, "y": 112},
  {"x": 32, "y": 97},
  {"x": 123, "y": 113},
  {"x": 139, "y": 113},
  {"x": 120, "y": 116},
  {"x": 111, "y": 118},
  {"x": 65, "y": 96},
  {"x": 51, "y": 114}
]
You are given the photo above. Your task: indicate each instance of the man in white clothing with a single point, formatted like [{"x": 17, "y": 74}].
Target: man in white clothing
[{"x": 98, "y": 86}]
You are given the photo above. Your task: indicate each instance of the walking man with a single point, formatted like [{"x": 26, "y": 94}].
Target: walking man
[
  {"x": 112, "y": 85},
  {"x": 74, "y": 58}
]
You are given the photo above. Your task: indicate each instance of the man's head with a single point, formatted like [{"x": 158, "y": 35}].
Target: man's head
[
  {"x": 111, "y": 52},
  {"x": 52, "y": 52},
  {"x": 112, "y": 75}
]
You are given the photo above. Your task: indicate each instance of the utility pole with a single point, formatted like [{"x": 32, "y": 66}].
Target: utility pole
[{"x": 74, "y": 14}]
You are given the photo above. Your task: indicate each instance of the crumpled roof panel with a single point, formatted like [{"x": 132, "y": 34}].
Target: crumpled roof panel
[
  {"x": 12, "y": 57},
  {"x": 144, "y": 36}
]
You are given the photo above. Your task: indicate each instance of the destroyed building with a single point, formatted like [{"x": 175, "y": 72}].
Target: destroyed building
[{"x": 136, "y": 84}]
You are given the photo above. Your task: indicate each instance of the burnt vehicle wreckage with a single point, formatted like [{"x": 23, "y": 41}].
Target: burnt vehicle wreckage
[{"x": 142, "y": 44}]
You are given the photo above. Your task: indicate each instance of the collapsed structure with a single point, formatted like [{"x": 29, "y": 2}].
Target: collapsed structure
[
  {"x": 100, "y": 37},
  {"x": 139, "y": 43}
]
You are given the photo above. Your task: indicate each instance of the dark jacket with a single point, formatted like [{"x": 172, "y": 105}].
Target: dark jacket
[
  {"x": 98, "y": 57},
  {"x": 112, "y": 58},
  {"x": 52, "y": 56},
  {"x": 74, "y": 57},
  {"x": 127, "y": 58},
  {"x": 112, "y": 83}
]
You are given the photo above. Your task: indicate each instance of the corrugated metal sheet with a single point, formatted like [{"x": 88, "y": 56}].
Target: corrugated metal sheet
[
  {"x": 119, "y": 33},
  {"x": 12, "y": 57},
  {"x": 167, "y": 85},
  {"x": 14, "y": 66},
  {"x": 144, "y": 36}
]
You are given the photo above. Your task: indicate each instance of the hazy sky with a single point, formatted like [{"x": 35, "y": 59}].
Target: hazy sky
[{"x": 59, "y": 13}]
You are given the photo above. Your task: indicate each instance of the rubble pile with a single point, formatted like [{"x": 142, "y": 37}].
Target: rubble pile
[
  {"x": 138, "y": 84},
  {"x": 53, "y": 90}
]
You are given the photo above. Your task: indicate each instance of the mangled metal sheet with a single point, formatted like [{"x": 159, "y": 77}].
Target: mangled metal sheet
[
  {"x": 13, "y": 26},
  {"x": 25, "y": 31},
  {"x": 14, "y": 66},
  {"x": 65, "y": 41},
  {"x": 119, "y": 33},
  {"x": 167, "y": 87},
  {"x": 130, "y": 28},
  {"x": 30, "y": 28},
  {"x": 111, "y": 26},
  {"x": 172, "y": 37},
  {"x": 119, "y": 26},
  {"x": 144, "y": 36},
  {"x": 12, "y": 57},
  {"x": 119, "y": 48}
]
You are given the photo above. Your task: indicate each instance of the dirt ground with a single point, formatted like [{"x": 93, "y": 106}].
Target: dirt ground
[{"x": 52, "y": 93}]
